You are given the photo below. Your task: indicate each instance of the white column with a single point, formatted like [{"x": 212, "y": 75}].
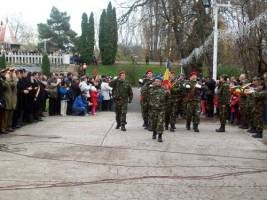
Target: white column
[{"x": 215, "y": 47}]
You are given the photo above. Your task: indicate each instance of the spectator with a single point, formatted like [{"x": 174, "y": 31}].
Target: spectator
[
  {"x": 94, "y": 99},
  {"x": 106, "y": 94},
  {"x": 63, "y": 93},
  {"x": 80, "y": 105}
]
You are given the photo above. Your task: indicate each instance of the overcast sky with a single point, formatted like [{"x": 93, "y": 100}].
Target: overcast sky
[{"x": 33, "y": 12}]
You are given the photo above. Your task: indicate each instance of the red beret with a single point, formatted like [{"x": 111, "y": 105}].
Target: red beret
[
  {"x": 122, "y": 72},
  {"x": 149, "y": 70},
  {"x": 193, "y": 74}
]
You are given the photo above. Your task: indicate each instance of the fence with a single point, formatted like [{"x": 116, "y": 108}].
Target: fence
[{"x": 30, "y": 58}]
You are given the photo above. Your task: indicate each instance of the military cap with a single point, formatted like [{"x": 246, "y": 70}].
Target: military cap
[
  {"x": 158, "y": 78},
  {"x": 149, "y": 71},
  {"x": 193, "y": 74},
  {"x": 4, "y": 70}
]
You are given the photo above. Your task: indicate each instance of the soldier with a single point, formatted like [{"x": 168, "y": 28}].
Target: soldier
[
  {"x": 193, "y": 93},
  {"x": 259, "y": 95},
  {"x": 10, "y": 97},
  {"x": 175, "y": 101},
  {"x": 224, "y": 96},
  {"x": 144, "y": 96},
  {"x": 157, "y": 101},
  {"x": 122, "y": 95},
  {"x": 211, "y": 84},
  {"x": 250, "y": 106},
  {"x": 244, "y": 83},
  {"x": 170, "y": 112},
  {"x": 3, "y": 86}
]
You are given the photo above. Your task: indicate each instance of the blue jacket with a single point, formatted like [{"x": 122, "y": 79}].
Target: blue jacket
[
  {"x": 63, "y": 92},
  {"x": 80, "y": 102}
]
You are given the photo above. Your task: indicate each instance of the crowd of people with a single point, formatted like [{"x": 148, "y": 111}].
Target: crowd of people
[
  {"x": 25, "y": 96},
  {"x": 239, "y": 101}
]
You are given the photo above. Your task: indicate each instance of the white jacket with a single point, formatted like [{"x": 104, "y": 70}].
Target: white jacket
[
  {"x": 85, "y": 88},
  {"x": 105, "y": 90}
]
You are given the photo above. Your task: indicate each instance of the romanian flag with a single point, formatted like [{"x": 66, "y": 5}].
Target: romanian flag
[{"x": 166, "y": 82}]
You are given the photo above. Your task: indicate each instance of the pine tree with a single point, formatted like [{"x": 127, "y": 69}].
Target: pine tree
[
  {"x": 102, "y": 35},
  {"x": 115, "y": 34},
  {"x": 91, "y": 37},
  {"x": 45, "y": 65},
  {"x": 108, "y": 35},
  {"x": 2, "y": 62},
  {"x": 83, "y": 40},
  {"x": 57, "y": 30}
]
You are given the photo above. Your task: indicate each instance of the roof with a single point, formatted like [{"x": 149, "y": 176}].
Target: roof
[{"x": 7, "y": 35}]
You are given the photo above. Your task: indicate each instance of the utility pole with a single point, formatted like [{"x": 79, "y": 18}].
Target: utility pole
[{"x": 216, "y": 7}]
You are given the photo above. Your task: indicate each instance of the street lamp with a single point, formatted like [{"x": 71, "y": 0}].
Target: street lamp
[{"x": 207, "y": 4}]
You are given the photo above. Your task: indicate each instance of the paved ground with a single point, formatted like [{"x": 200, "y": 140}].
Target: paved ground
[{"x": 87, "y": 158}]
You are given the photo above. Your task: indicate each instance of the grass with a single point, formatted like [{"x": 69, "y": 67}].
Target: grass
[{"x": 133, "y": 72}]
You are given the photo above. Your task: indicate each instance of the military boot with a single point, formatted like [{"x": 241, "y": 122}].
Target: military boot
[
  {"x": 123, "y": 128},
  {"x": 154, "y": 136},
  {"x": 258, "y": 134},
  {"x": 166, "y": 127},
  {"x": 221, "y": 129},
  {"x": 196, "y": 128},
  {"x": 118, "y": 126},
  {"x": 172, "y": 128},
  {"x": 251, "y": 130},
  {"x": 145, "y": 125},
  {"x": 188, "y": 124},
  {"x": 160, "y": 137}
]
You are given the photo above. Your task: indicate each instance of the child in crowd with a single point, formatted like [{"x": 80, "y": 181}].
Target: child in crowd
[
  {"x": 94, "y": 99},
  {"x": 63, "y": 92},
  {"x": 234, "y": 106}
]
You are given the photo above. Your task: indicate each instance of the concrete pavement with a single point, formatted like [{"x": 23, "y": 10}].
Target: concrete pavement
[{"x": 87, "y": 158}]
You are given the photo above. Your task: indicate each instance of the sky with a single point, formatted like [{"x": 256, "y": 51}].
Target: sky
[{"x": 32, "y": 12}]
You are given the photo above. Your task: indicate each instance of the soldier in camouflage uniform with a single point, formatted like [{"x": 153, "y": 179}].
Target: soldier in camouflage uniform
[
  {"x": 176, "y": 101},
  {"x": 192, "y": 99},
  {"x": 122, "y": 95},
  {"x": 170, "y": 112},
  {"x": 144, "y": 97},
  {"x": 243, "y": 102},
  {"x": 259, "y": 98},
  {"x": 250, "y": 106},
  {"x": 157, "y": 103},
  {"x": 224, "y": 96}
]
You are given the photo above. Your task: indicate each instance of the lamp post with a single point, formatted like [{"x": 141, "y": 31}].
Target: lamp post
[{"x": 207, "y": 4}]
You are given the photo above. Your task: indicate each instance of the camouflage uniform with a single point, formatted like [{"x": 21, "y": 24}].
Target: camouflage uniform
[
  {"x": 192, "y": 104},
  {"x": 122, "y": 94},
  {"x": 243, "y": 108},
  {"x": 144, "y": 101},
  {"x": 157, "y": 103},
  {"x": 175, "y": 102},
  {"x": 224, "y": 96},
  {"x": 259, "y": 99},
  {"x": 250, "y": 107}
]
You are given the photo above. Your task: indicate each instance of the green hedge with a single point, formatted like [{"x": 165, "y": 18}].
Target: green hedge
[{"x": 133, "y": 72}]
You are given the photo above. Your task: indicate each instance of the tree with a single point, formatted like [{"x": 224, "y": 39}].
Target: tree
[
  {"x": 2, "y": 62},
  {"x": 91, "y": 37},
  {"x": 57, "y": 31},
  {"x": 108, "y": 35},
  {"x": 45, "y": 65},
  {"x": 83, "y": 40}
]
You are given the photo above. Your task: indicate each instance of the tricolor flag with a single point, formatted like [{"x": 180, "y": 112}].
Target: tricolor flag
[{"x": 166, "y": 76}]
